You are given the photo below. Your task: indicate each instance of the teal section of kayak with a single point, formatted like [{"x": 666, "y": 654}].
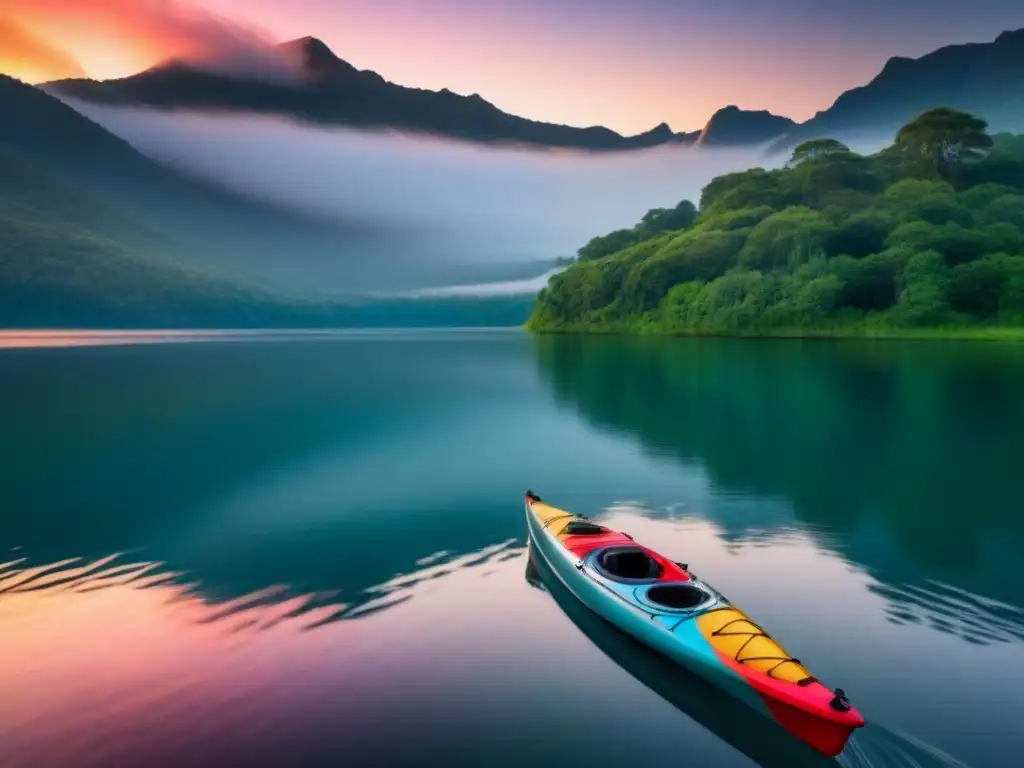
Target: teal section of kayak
[{"x": 673, "y": 634}]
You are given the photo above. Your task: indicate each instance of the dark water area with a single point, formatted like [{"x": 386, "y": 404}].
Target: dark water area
[{"x": 292, "y": 549}]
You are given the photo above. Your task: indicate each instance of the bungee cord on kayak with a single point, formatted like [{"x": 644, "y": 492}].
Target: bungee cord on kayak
[{"x": 751, "y": 635}]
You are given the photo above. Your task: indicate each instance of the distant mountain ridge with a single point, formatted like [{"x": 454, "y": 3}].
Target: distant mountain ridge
[
  {"x": 332, "y": 91},
  {"x": 335, "y": 92},
  {"x": 985, "y": 79}
]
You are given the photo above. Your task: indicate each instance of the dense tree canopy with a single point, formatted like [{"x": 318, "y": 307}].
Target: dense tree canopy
[
  {"x": 928, "y": 232},
  {"x": 654, "y": 222},
  {"x": 940, "y": 138},
  {"x": 814, "y": 148}
]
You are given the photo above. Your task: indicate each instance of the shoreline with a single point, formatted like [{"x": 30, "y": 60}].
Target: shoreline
[{"x": 1010, "y": 334}]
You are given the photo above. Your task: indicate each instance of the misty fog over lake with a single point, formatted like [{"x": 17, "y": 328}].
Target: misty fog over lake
[{"x": 471, "y": 213}]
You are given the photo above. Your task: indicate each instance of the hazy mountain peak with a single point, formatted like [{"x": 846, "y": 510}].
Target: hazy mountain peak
[
  {"x": 313, "y": 48},
  {"x": 734, "y": 126},
  {"x": 316, "y": 57}
]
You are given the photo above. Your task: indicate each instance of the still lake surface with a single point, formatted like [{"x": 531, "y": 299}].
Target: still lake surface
[{"x": 288, "y": 549}]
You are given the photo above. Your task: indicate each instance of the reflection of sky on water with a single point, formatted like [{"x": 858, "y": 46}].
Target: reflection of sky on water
[
  {"x": 153, "y": 654},
  {"x": 288, "y": 495}
]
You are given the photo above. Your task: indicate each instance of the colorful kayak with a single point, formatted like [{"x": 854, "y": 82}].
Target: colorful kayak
[{"x": 661, "y": 603}]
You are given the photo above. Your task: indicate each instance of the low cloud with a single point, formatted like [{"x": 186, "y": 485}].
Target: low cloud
[
  {"x": 159, "y": 30},
  {"x": 464, "y": 202},
  {"x": 458, "y": 218},
  {"x": 527, "y": 287}
]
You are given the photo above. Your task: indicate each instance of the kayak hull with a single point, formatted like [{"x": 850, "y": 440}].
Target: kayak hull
[{"x": 692, "y": 637}]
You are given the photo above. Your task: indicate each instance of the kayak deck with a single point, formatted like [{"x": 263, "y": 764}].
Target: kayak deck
[{"x": 692, "y": 622}]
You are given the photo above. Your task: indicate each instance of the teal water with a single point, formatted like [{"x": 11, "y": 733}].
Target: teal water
[{"x": 289, "y": 549}]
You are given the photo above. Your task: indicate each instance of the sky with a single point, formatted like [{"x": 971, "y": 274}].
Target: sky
[{"x": 625, "y": 64}]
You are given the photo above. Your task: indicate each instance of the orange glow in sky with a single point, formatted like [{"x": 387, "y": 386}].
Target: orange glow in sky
[
  {"x": 26, "y": 56},
  {"x": 116, "y": 38}
]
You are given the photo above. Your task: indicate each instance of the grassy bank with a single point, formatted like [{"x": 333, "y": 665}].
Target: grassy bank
[{"x": 864, "y": 331}]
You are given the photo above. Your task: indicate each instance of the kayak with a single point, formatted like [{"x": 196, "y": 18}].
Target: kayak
[
  {"x": 664, "y": 605},
  {"x": 707, "y": 705}
]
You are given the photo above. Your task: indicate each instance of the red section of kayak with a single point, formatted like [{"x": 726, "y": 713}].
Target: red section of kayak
[
  {"x": 581, "y": 545},
  {"x": 824, "y": 735},
  {"x": 804, "y": 711}
]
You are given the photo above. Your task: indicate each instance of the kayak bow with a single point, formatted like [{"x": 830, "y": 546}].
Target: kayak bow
[{"x": 661, "y": 603}]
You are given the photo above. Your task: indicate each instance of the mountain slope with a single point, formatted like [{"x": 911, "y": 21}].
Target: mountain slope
[
  {"x": 332, "y": 91},
  {"x": 985, "y": 79},
  {"x": 243, "y": 238},
  {"x": 70, "y": 260},
  {"x": 94, "y": 234}
]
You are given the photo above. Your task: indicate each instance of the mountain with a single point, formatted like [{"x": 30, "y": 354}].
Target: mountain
[
  {"x": 94, "y": 234},
  {"x": 732, "y": 126},
  {"x": 242, "y": 238},
  {"x": 332, "y": 91},
  {"x": 210, "y": 227},
  {"x": 985, "y": 79}
]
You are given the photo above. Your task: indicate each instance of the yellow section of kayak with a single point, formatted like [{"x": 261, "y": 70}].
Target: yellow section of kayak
[
  {"x": 552, "y": 518},
  {"x": 733, "y": 633}
]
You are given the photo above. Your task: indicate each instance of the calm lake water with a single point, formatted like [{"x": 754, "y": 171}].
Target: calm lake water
[{"x": 310, "y": 550}]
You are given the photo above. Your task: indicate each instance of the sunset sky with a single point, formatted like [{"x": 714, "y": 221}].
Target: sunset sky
[{"x": 627, "y": 64}]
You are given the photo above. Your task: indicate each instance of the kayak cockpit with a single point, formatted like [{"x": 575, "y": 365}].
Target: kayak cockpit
[
  {"x": 678, "y": 596},
  {"x": 630, "y": 565}
]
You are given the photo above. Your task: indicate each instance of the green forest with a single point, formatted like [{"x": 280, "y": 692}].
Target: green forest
[{"x": 926, "y": 237}]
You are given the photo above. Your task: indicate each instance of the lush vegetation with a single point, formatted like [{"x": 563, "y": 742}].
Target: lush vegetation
[{"x": 924, "y": 238}]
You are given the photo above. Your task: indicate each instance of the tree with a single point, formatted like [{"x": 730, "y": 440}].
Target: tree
[
  {"x": 745, "y": 189},
  {"x": 685, "y": 258},
  {"x": 936, "y": 141},
  {"x": 786, "y": 238},
  {"x": 975, "y": 287},
  {"x": 1005, "y": 209},
  {"x": 925, "y": 200},
  {"x": 924, "y": 298},
  {"x": 860, "y": 235},
  {"x": 815, "y": 148},
  {"x": 659, "y": 220},
  {"x": 605, "y": 245},
  {"x": 956, "y": 243}
]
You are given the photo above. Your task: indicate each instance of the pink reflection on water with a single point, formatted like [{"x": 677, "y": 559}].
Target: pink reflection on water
[
  {"x": 72, "y": 338},
  {"x": 116, "y": 663},
  {"x": 105, "y": 664}
]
